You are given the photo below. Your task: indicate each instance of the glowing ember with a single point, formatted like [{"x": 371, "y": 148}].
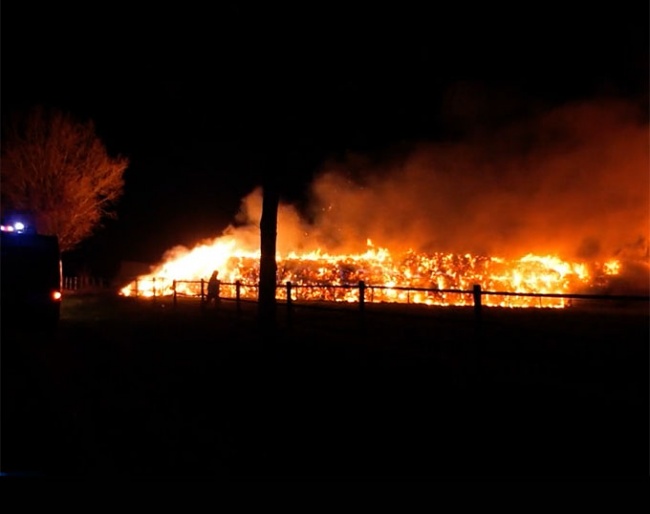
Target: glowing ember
[
  {"x": 612, "y": 267},
  {"x": 404, "y": 278}
]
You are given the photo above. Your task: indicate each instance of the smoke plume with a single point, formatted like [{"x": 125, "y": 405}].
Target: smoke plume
[{"x": 573, "y": 182}]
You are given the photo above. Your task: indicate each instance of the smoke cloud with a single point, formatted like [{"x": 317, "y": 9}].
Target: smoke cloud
[{"x": 574, "y": 182}]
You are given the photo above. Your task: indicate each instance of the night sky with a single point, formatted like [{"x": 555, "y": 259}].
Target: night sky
[{"x": 200, "y": 96}]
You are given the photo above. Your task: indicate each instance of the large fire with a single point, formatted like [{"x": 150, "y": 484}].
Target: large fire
[
  {"x": 558, "y": 204},
  {"x": 409, "y": 277}
]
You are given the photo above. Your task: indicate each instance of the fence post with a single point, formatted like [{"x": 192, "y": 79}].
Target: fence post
[
  {"x": 476, "y": 291},
  {"x": 136, "y": 287},
  {"x": 362, "y": 295},
  {"x": 154, "y": 289},
  {"x": 238, "y": 297},
  {"x": 289, "y": 304},
  {"x": 362, "y": 301},
  {"x": 174, "y": 286}
]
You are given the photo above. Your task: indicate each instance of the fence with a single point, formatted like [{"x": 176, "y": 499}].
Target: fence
[
  {"x": 361, "y": 293},
  {"x": 84, "y": 282}
]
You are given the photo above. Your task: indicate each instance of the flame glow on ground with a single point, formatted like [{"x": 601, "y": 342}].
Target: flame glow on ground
[{"x": 387, "y": 277}]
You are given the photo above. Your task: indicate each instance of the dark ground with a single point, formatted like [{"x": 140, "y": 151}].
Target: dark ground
[{"x": 128, "y": 388}]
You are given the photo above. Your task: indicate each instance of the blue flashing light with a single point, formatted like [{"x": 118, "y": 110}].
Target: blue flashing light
[{"x": 17, "y": 227}]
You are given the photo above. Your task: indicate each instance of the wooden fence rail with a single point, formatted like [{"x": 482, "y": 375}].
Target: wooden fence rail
[
  {"x": 82, "y": 282},
  {"x": 363, "y": 290}
]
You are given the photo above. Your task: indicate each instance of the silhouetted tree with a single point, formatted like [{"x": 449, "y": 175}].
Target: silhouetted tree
[
  {"x": 268, "y": 264},
  {"x": 59, "y": 171}
]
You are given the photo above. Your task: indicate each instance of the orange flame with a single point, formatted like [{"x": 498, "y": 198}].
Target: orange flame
[{"x": 407, "y": 277}]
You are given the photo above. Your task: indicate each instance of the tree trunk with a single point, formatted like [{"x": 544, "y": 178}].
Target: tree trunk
[{"x": 268, "y": 264}]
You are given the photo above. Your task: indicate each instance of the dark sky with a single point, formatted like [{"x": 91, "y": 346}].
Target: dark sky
[{"x": 199, "y": 95}]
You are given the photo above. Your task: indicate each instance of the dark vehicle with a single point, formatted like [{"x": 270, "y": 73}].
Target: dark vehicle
[{"x": 31, "y": 280}]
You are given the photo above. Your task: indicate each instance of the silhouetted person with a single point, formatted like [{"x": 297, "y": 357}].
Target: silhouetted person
[{"x": 213, "y": 288}]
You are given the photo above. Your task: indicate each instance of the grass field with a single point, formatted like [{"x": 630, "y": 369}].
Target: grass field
[{"x": 136, "y": 387}]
